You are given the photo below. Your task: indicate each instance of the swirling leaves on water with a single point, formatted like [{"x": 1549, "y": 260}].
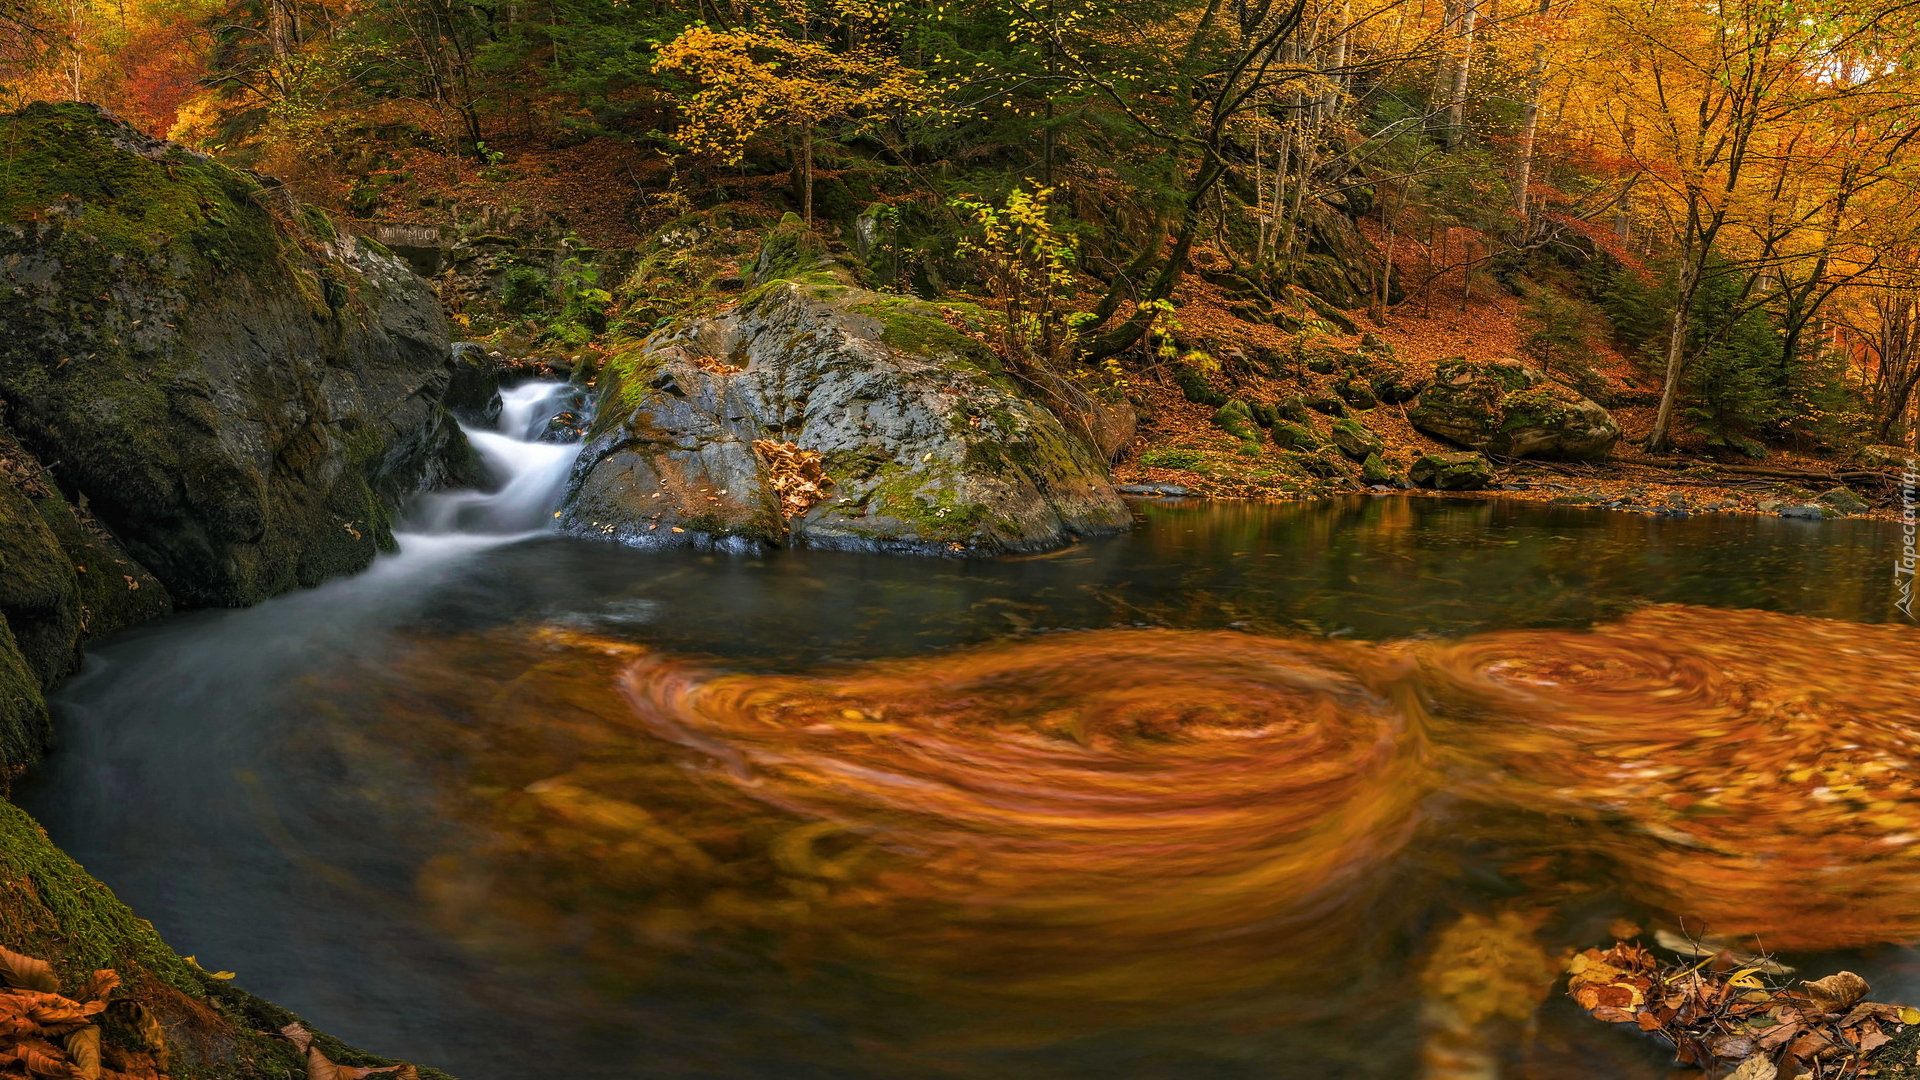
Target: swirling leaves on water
[
  {"x": 1754, "y": 772},
  {"x": 1073, "y": 815},
  {"x": 1137, "y": 816}
]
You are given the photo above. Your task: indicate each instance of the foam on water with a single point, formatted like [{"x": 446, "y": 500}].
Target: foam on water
[{"x": 530, "y": 474}]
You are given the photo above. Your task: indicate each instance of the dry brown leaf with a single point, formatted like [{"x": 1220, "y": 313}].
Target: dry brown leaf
[
  {"x": 98, "y": 986},
  {"x": 42, "y": 1059},
  {"x": 797, "y": 476},
  {"x": 1776, "y": 1037},
  {"x": 83, "y": 1048},
  {"x": 1837, "y": 992},
  {"x": 1756, "y": 1067},
  {"x": 26, "y": 973}
]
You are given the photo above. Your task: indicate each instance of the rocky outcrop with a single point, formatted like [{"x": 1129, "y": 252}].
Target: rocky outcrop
[
  {"x": 928, "y": 444},
  {"x": 206, "y": 394},
  {"x": 1463, "y": 471},
  {"x": 1507, "y": 408},
  {"x": 236, "y": 391}
]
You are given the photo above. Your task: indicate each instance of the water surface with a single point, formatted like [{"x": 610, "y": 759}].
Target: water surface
[{"x": 551, "y": 807}]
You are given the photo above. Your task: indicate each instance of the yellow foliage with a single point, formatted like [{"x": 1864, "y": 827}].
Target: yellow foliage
[{"x": 755, "y": 79}]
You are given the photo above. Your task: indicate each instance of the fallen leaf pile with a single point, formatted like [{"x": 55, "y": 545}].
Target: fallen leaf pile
[
  {"x": 1821, "y": 1028},
  {"x": 797, "y": 475},
  {"x": 49, "y": 1036}
]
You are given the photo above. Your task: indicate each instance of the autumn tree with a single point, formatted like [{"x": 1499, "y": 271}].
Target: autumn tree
[
  {"x": 761, "y": 77},
  {"x": 1719, "y": 107}
]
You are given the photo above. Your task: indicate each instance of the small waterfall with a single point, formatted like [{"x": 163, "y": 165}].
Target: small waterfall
[{"x": 530, "y": 472}]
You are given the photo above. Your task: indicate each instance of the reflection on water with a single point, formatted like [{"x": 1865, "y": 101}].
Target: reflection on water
[{"x": 613, "y": 813}]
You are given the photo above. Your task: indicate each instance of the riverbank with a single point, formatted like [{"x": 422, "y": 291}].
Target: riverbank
[{"x": 1181, "y": 446}]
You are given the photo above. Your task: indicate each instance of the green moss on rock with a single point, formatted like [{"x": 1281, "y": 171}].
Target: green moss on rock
[{"x": 1464, "y": 471}]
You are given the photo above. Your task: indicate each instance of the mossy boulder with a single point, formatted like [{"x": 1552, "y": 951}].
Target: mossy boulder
[
  {"x": 1327, "y": 404},
  {"x": 1291, "y": 436},
  {"x": 1392, "y": 380},
  {"x": 928, "y": 444},
  {"x": 790, "y": 250},
  {"x": 1195, "y": 387},
  {"x": 1505, "y": 407},
  {"x": 1323, "y": 359},
  {"x": 1357, "y": 392},
  {"x": 1844, "y": 500},
  {"x": 1355, "y": 439},
  {"x": 1375, "y": 470},
  {"x": 473, "y": 393},
  {"x": 39, "y": 596},
  {"x": 1236, "y": 419},
  {"x": 1295, "y": 409},
  {"x": 24, "y": 727},
  {"x": 64, "y": 580},
  {"x": 1325, "y": 463},
  {"x": 241, "y": 394},
  {"x": 1463, "y": 471}
]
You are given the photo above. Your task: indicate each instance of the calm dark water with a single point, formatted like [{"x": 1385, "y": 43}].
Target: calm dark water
[{"x": 319, "y": 793}]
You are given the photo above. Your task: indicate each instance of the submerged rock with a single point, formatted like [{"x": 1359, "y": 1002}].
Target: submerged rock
[
  {"x": 237, "y": 391},
  {"x": 927, "y": 442},
  {"x": 1507, "y": 408}
]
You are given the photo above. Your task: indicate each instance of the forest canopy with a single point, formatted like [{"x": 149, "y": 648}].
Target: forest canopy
[{"x": 1723, "y": 189}]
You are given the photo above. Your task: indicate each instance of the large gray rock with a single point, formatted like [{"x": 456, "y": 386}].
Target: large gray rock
[
  {"x": 929, "y": 445},
  {"x": 1507, "y": 408},
  {"x": 239, "y": 393}
]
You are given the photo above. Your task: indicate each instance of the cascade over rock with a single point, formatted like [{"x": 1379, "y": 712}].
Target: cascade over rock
[
  {"x": 927, "y": 442},
  {"x": 207, "y": 395}
]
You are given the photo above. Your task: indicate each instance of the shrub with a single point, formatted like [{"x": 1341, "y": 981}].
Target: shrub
[{"x": 526, "y": 290}]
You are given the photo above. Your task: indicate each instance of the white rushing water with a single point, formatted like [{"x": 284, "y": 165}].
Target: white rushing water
[{"x": 530, "y": 475}]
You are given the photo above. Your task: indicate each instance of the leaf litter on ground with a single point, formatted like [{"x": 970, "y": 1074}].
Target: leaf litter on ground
[
  {"x": 1719, "y": 1009},
  {"x": 48, "y": 1035}
]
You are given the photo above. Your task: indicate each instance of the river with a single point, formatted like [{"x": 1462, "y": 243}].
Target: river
[{"x": 1240, "y": 794}]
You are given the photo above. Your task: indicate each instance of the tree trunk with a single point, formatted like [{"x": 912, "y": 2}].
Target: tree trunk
[
  {"x": 1676, "y": 358},
  {"x": 1530, "y": 123},
  {"x": 1336, "y": 73},
  {"x": 1463, "y": 64},
  {"x": 806, "y": 174}
]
